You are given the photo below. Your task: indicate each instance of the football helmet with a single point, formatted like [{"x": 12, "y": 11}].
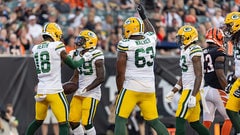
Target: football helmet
[
  {"x": 186, "y": 35},
  {"x": 133, "y": 26},
  {"x": 215, "y": 35},
  {"x": 53, "y": 30},
  {"x": 232, "y": 23},
  {"x": 87, "y": 39}
]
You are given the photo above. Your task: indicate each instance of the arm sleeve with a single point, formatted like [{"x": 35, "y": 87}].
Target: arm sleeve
[{"x": 73, "y": 64}]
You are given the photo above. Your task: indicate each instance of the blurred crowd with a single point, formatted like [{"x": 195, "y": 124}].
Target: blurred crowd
[
  {"x": 8, "y": 122},
  {"x": 21, "y": 21}
]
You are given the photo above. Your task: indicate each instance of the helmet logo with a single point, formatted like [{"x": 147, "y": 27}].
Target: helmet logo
[
  {"x": 128, "y": 21},
  {"x": 187, "y": 29},
  {"x": 91, "y": 34},
  {"x": 234, "y": 17}
]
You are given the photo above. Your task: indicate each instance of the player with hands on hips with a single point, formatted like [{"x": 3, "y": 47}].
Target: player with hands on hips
[
  {"x": 89, "y": 78},
  {"x": 135, "y": 76},
  {"x": 191, "y": 82}
]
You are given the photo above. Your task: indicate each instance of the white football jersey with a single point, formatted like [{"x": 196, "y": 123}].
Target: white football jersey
[
  {"x": 48, "y": 65},
  {"x": 186, "y": 64},
  {"x": 139, "y": 74},
  {"x": 87, "y": 74}
]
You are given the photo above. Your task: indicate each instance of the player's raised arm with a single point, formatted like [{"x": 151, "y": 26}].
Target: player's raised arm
[{"x": 148, "y": 26}]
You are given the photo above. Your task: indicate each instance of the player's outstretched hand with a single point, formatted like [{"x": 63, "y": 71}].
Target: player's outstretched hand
[{"x": 141, "y": 11}]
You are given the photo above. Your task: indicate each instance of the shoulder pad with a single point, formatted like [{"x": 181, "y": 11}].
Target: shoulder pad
[
  {"x": 122, "y": 46},
  {"x": 195, "y": 49},
  {"x": 149, "y": 33}
]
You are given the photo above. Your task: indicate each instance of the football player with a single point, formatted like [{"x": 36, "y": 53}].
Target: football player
[
  {"x": 232, "y": 31},
  {"x": 191, "y": 81},
  {"x": 135, "y": 75},
  {"x": 215, "y": 80},
  {"x": 47, "y": 57},
  {"x": 89, "y": 77}
]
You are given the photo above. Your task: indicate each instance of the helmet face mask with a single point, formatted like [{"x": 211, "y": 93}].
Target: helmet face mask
[
  {"x": 179, "y": 39},
  {"x": 226, "y": 32},
  {"x": 52, "y": 30},
  {"x": 186, "y": 35},
  {"x": 80, "y": 41},
  {"x": 133, "y": 26},
  {"x": 87, "y": 39}
]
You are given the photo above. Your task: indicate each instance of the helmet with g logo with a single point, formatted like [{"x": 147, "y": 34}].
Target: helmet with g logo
[
  {"x": 53, "y": 30},
  {"x": 87, "y": 39},
  {"x": 232, "y": 23},
  {"x": 133, "y": 26},
  {"x": 186, "y": 35}
]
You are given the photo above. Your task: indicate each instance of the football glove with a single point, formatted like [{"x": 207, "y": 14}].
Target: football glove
[
  {"x": 169, "y": 97},
  {"x": 82, "y": 91},
  {"x": 230, "y": 81},
  {"x": 237, "y": 93},
  {"x": 87, "y": 56},
  {"x": 192, "y": 102},
  {"x": 40, "y": 98},
  {"x": 141, "y": 11}
]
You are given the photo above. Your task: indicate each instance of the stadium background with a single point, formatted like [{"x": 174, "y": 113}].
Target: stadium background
[
  {"x": 19, "y": 79},
  {"x": 18, "y": 76}
]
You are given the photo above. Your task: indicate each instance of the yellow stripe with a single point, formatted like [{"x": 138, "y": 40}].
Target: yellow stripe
[
  {"x": 122, "y": 48},
  {"x": 97, "y": 54},
  {"x": 194, "y": 51},
  {"x": 60, "y": 46}
]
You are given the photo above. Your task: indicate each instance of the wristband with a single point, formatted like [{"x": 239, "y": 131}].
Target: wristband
[{"x": 178, "y": 86}]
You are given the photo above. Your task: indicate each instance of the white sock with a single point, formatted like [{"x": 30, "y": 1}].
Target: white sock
[
  {"x": 78, "y": 131},
  {"x": 91, "y": 131}
]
